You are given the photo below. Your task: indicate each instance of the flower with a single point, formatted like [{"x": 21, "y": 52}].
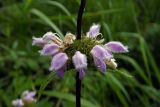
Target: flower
[
  {"x": 69, "y": 39},
  {"x": 111, "y": 63},
  {"x": 80, "y": 63},
  {"x": 50, "y": 37},
  {"x": 38, "y": 41},
  {"x": 49, "y": 49},
  {"x": 18, "y": 103},
  {"x": 93, "y": 31},
  {"x": 100, "y": 55},
  {"x": 116, "y": 47},
  {"x": 80, "y": 51},
  {"x": 28, "y": 96},
  {"x": 99, "y": 52},
  {"x": 59, "y": 63}
]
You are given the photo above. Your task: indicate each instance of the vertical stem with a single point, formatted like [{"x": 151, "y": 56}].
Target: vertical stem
[
  {"x": 79, "y": 27},
  {"x": 79, "y": 18},
  {"x": 78, "y": 91}
]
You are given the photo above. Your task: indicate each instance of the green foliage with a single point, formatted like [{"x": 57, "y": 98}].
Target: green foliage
[{"x": 134, "y": 22}]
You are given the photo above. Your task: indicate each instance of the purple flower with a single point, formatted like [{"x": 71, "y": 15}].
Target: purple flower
[
  {"x": 50, "y": 49},
  {"x": 49, "y": 36},
  {"x": 80, "y": 63},
  {"x": 93, "y": 31},
  {"x": 28, "y": 96},
  {"x": 100, "y": 55},
  {"x": 59, "y": 63},
  {"x": 52, "y": 38},
  {"x": 116, "y": 47},
  {"x": 38, "y": 41},
  {"x": 18, "y": 103},
  {"x": 100, "y": 64}
]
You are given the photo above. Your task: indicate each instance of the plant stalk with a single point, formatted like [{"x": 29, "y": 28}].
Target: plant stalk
[
  {"x": 78, "y": 91},
  {"x": 79, "y": 27},
  {"x": 79, "y": 18}
]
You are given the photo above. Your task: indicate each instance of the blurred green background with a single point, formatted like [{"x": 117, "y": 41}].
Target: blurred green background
[{"x": 136, "y": 23}]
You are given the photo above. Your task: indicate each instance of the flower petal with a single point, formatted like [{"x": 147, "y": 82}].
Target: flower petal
[
  {"x": 51, "y": 37},
  {"x": 38, "y": 41},
  {"x": 79, "y": 60},
  {"x": 60, "y": 72},
  {"x": 99, "y": 52},
  {"x": 94, "y": 31},
  {"x": 116, "y": 47},
  {"x": 28, "y": 96},
  {"x": 100, "y": 64},
  {"x": 80, "y": 63},
  {"x": 81, "y": 74},
  {"x": 50, "y": 49},
  {"x": 69, "y": 38},
  {"x": 59, "y": 61},
  {"x": 48, "y": 36},
  {"x": 28, "y": 93},
  {"x": 18, "y": 103},
  {"x": 111, "y": 63}
]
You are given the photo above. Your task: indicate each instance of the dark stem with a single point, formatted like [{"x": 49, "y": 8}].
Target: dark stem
[
  {"x": 79, "y": 27},
  {"x": 79, "y": 18},
  {"x": 78, "y": 91}
]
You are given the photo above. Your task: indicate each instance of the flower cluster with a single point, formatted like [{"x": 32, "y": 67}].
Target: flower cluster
[
  {"x": 79, "y": 51},
  {"x": 27, "y": 98}
]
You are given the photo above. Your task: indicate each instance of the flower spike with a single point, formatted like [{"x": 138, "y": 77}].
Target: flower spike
[{"x": 90, "y": 45}]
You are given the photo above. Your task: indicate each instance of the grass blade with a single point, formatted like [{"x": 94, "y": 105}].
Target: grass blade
[
  {"x": 47, "y": 21},
  {"x": 69, "y": 97}
]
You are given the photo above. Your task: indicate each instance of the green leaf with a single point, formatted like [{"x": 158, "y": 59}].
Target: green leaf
[
  {"x": 45, "y": 83},
  {"x": 117, "y": 87},
  {"x": 47, "y": 21},
  {"x": 124, "y": 73},
  {"x": 135, "y": 65},
  {"x": 145, "y": 59},
  {"x": 116, "y": 84},
  {"x": 69, "y": 97},
  {"x": 106, "y": 27},
  {"x": 151, "y": 92},
  {"x": 62, "y": 7}
]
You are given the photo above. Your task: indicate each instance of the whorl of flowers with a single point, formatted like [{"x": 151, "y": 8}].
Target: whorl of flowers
[
  {"x": 79, "y": 52},
  {"x": 27, "y": 98}
]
